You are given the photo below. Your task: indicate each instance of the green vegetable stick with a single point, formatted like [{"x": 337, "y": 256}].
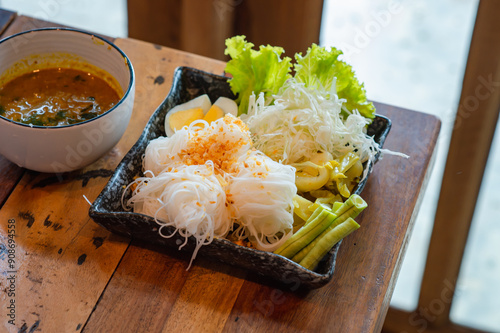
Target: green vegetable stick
[
  {"x": 306, "y": 234},
  {"x": 314, "y": 215},
  {"x": 354, "y": 200},
  {"x": 326, "y": 242},
  {"x": 351, "y": 208},
  {"x": 336, "y": 205}
]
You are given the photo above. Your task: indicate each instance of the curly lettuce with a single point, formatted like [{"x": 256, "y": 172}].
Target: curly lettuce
[
  {"x": 266, "y": 71},
  {"x": 322, "y": 68},
  {"x": 255, "y": 71}
]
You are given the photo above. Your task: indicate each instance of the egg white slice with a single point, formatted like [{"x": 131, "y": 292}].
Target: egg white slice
[
  {"x": 202, "y": 102},
  {"x": 227, "y": 105}
]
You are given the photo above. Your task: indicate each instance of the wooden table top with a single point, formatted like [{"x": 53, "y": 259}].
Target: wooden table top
[{"x": 72, "y": 275}]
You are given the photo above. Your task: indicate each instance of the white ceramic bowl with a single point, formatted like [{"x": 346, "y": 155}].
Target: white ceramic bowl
[{"x": 70, "y": 147}]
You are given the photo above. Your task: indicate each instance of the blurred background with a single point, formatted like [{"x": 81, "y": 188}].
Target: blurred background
[{"x": 411, "y": 54}]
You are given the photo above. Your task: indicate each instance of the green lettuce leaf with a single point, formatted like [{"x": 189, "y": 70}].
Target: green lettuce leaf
[
  {"x": 255, "y": 71},
  {"x": 321, "y": 67}
]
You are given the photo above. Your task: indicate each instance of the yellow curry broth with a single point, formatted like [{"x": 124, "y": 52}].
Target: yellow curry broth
[
  {"x": 56, "y": 97},
  {"x": 55, "y": 90}
]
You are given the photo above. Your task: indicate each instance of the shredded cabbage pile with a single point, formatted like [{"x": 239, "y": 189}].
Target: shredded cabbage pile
[{"x": 303, "y": 121}]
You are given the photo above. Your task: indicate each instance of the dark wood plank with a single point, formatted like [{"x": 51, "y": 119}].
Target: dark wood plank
[
  {"x": 294, "y": 28},
  {"x": 153, "y": 278},
  {"x": 201, "y": 27},
  {"x": 6, "y": 17},
  {"x": 144, "y": 16},
  {"x": 9, "y": 176},
  {"x": 63, "y": 260}
]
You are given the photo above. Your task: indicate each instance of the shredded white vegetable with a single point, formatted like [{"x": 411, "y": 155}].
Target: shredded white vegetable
[{"x": 303, "y": 121}]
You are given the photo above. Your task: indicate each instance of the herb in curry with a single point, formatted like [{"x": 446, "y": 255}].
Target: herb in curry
[{"x": 56, "y": 97}]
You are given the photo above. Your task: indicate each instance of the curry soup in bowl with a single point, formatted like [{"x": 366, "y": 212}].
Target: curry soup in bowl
[
  {"x": 66, "y": 98},
  {"x": 56, "y": 96}
]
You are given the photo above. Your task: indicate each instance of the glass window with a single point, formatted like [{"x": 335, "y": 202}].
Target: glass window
[
  {"x": 477, "y": 297},
  {"x": 413, "y": 54}
]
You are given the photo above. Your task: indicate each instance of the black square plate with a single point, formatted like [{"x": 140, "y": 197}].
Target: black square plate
[{"x": 107, "y": 209}]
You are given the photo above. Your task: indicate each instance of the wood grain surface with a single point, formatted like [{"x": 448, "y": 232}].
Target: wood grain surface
[
  {"x": 6, "y": 17},
  {"x": 73, "y": 275}
]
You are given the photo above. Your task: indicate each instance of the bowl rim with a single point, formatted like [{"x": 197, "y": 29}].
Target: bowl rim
[{"x": 106, "y": 41}]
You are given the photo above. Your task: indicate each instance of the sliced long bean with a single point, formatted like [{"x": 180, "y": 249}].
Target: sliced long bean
[
  {"x": 353, "y": 201},
  {"x": 326, "y": 242},
  {"x": 336, "y": 206},
  {"x": 314, "y": 215},
  {"x": 306, "y": 234},
  {"x": 351, "y": 208}
]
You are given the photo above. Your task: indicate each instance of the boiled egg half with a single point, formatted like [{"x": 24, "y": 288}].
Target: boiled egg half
[{"x": 198, "y": 108}]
